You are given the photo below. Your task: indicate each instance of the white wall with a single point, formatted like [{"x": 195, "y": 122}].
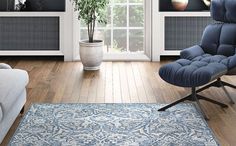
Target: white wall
[
  {"x": 156, "y": 29},
  {"x": 68, "y": 29}
]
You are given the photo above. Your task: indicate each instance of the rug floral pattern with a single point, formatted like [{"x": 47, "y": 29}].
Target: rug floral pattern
[{"x": 112, "y": 125}]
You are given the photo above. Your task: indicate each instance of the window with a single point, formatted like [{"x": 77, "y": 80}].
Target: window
[{"x": 124, "y": 31}]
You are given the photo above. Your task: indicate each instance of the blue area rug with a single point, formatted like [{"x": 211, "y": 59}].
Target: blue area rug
[{"x": 111, "y": 125}]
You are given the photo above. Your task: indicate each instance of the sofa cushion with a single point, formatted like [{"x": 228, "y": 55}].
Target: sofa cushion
[
  {"x": 196, "y": 72},
  {"x": 5, "y": 66},
  {"x": 1, "y": 113},
  {"x": 12, "y": 84}
]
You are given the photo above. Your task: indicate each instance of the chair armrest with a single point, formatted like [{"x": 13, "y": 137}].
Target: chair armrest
[
  {"x": 191, "y": 52},
  {"x": 5, "y": 66},
  {"x": 232, "y": 62}
]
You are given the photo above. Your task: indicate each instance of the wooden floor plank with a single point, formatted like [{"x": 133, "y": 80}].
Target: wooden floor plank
[
  {"x": 145, "y": 74},
  {"x": 86, "y": 83},
  {"x": 101, "y": 84},
  {"x": 92, "y": 94},
  {"x": 71, "y": 83},
  {"x": 131, "y": 84},
  {"x": 109, "y": 84},
  {"x": 139, "y": 84},
  {"x": 116, "y": 83},
  {"x": 59, "y": 84},
  {"x": 124, "y": 84}
]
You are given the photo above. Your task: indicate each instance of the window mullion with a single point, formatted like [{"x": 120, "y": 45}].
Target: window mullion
[
  {"x": 112, "y": 26},
  {"x": 127, "y": 37}
]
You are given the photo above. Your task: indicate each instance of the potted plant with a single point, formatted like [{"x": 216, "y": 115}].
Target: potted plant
[{"x": 91, "y": 50}]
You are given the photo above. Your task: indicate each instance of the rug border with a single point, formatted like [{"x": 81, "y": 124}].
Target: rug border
[{"x": 185, "y": 104}]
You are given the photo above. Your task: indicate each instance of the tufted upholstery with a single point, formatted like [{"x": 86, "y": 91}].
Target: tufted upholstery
[
  {"x": 223, "y": 10},
  {"x": 196, "y": 53},
  {"x": 219, "y": 39},
  {"x": 193, "y": 73},
  {"x": 213, "y": 57}
]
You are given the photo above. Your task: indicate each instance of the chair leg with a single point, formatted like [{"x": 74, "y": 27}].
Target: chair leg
[
  {"x": 176, "y": 102},
  {"x": 212, "y": 101},
  {"x": 195, "y": 97},
  {"x": 22, "y": 110},
  {"x": 228, "y": 95},
  {"x": 200, "y": 109},
  {"x": 227, "y": 84},
  {"x": 223, "y": 84},
  {"x": 214, "y": 84},
  {"x": 197, "y": 104},
  {"x": 219, "y": 83}
]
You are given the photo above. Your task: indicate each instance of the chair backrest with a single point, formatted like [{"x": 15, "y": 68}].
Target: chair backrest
[{"x": 220, "y": 38}]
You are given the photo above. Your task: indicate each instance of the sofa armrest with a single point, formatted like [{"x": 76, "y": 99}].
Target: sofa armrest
[
  {"x": 191, "y": 52},
  {"x": 5, "y": 66},
  {"x": 1, "y": 112}
]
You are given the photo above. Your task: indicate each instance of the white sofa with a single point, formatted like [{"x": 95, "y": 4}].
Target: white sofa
[{"x": 12, "y": 96}]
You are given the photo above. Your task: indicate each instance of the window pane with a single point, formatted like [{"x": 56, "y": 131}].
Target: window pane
[
  {"x": 82, "y": 24},
  {"x": 105, "y": 35},
  {"x": 120, "y": 16},
  {"x": 136, "y": 1},
  {"x": 108, "y": 19},
  {"x": 120, "y": 1},
  {"x": 136, "y": 40},
  {"x": 119, "y": 41},
  {"x": 83, "y": 34},
  {"x": 136, "y": 16}
]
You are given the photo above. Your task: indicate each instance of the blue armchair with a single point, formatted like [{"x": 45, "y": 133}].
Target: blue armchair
[{"x": 214, "y": 57}]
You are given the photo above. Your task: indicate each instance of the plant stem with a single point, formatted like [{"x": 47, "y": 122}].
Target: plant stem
[
  {"x": 94, "y": 22},
  {"x": 88, "y": 32},
  {"x": 90, "y": 35},
  {"x": 91, "y": 29}
]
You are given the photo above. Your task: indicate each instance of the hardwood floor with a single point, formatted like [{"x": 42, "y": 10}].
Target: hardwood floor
[{"x": 118, "y": 82}]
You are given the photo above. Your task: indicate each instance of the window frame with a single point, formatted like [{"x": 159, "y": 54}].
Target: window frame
[{"x": 144, "y": 55}]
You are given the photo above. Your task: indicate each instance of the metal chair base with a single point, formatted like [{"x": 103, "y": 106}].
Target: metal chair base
[{"x": 196, "y": 97}]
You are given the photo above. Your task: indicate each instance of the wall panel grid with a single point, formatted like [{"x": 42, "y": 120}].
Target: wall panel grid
[
  {"x": 182, "y": 32},
  {"x": 29, "y": 33}
]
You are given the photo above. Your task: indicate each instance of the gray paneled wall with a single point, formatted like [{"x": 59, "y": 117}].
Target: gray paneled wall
[
  {"x": 183, "y": 32},
  {"x": 29, "y": 33}
]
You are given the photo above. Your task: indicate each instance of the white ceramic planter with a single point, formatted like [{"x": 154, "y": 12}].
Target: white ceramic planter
[{"x": 91, "y": 54}]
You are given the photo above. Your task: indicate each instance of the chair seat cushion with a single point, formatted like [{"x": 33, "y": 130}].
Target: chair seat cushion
[{"x": 196, "y": 72}]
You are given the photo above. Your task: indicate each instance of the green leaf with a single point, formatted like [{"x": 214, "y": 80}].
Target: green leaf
[{"x": 91, "y": 11}]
